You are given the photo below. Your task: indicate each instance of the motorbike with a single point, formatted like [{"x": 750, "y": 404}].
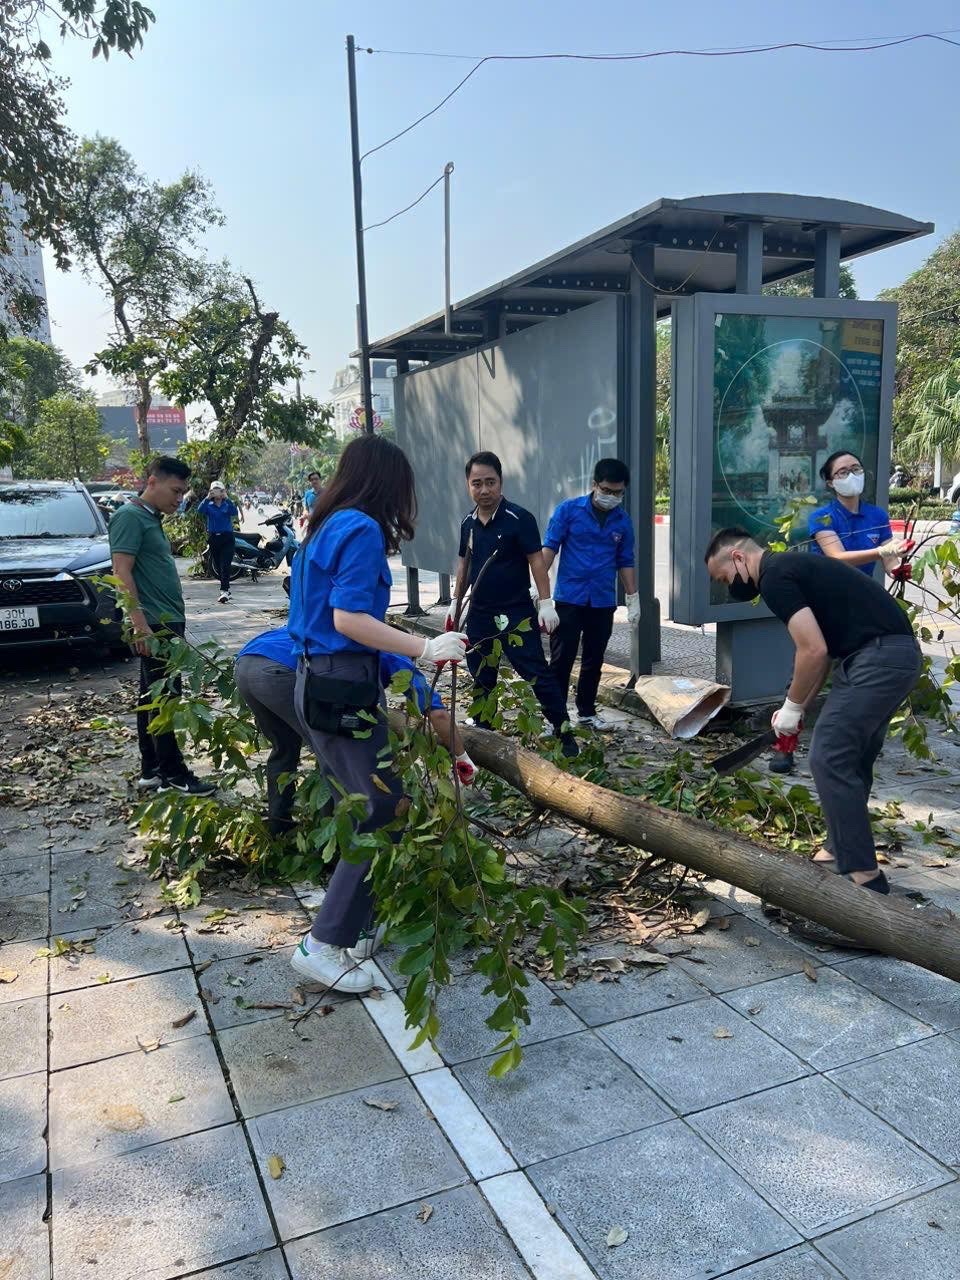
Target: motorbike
[{"x": 253, "y": 556}]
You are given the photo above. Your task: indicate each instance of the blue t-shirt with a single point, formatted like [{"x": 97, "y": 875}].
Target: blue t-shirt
[
  {"x": 862, "y": 530},
  {"x": 219, "y": 519},
  {"x": 590, "y": 552},
  {"x": 309, "y": 498},
  {"x": 278, "y": 647},
  {"x": 342, "y": 566}
]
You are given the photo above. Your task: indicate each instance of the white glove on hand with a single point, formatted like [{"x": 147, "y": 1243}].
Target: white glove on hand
[
  {"x": 448, "y": 646},
  {"x": 466, "y": 769},
  {"x": 534, "y": 597},
  {"x": 895, "y": 547},
  {"x": 787, "y": 719},
  {"x": 633, "y": 608},
  {"x": 451, "y": 614},
  {"x": 547, "y": 616}
]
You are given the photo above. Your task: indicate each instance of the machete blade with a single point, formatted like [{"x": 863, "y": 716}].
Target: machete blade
[{"x": 743, "y": 754}]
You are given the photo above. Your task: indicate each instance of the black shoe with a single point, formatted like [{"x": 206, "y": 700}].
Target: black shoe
[
  {"x": 781, "y": 762},
  {"x": 278, "y": 827},
  {"x": 568, "y": 746},
  {"x": 189, "y": 784}
]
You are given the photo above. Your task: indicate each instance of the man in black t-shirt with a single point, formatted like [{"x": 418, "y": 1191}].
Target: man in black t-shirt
[
  {"x": 504, "y": 547},
  {"x": 834, "y": 613}
]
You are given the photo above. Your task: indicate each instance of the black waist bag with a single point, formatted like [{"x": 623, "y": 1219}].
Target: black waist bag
[{"x": 333, "y": 705}]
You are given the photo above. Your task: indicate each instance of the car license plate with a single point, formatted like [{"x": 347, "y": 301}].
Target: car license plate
[{"x": 22, "y": 619}]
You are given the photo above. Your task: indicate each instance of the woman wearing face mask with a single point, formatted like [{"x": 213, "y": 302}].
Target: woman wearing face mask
[
  {"x": 849, "y": 529},
  {"x": 339, "y": 592}
]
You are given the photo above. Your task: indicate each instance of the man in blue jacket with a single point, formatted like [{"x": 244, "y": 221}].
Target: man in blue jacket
[
  {"x": 594, "y": 538},
  {"x": 220, "y": 513}
]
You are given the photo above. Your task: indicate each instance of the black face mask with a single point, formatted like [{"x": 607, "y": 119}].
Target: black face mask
[{"x": 743, "y": 592}]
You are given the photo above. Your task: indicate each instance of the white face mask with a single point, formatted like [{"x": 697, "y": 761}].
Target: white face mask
[
  {"x": 607, "y": 501},
  {"x": 848, "y": 486}
]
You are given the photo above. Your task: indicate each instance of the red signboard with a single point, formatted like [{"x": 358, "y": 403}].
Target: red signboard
[{"x": 167, "y": 417}]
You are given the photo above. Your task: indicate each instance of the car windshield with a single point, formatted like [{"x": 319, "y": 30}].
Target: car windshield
[{"x": 46, "y": 513}]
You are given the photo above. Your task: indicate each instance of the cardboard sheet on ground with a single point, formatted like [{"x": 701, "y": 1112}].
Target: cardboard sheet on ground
[{"x": 680, "y": 705}]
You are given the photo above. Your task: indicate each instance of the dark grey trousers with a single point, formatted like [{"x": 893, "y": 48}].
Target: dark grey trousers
[
  {"x": 348, "y": 907},
  {"x": 868, "y": 686},
  {"x": 268, "y": 690}
]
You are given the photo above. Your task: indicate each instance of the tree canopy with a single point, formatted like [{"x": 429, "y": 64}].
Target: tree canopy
[{"x": 65, "y": 441}]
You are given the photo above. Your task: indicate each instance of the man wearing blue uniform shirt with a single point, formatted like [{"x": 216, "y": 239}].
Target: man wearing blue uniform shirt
[
  {"x": 504, "y": 545},
  {"x": 266, "y": 675},
  {"x": 220, "y": 513},
  {"x": 314, "y": 487},
  {"x": 594, "y": 537}
]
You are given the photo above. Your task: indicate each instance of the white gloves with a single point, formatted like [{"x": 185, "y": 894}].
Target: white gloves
[
  {"x": 633, "y": 608},
  {"x": 788, "y": 719},
  {"x": 466, "y": 769},
  {"x": 447, "y": 646},
  {"x": 895, "y": 547},
  {"x": 547, "y": 616},
  {"x": 534, "y": 597},
  {"x": 451, "y": 614}
]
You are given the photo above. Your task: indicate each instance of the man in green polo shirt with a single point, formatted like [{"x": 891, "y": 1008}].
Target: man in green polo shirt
[{"x": 144, "y": 563}]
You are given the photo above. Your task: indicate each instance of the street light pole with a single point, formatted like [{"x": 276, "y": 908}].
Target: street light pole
[
  {"x": 447, "y": 323},
  {"x": 364, "y": 335}
]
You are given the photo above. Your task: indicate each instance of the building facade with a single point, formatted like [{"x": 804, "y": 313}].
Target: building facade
[
  {"x": 167, "y": 423},
  {"x": 346, "y": 395},
  {"x": 21, "y": 273}
]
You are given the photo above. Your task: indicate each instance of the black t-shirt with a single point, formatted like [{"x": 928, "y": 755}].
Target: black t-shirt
[
  {"x": 850, "y": 608},
  {"x": 513, "y": 533}
]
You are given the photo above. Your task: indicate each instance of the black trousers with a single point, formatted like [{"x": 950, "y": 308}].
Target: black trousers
[
  {"x": 527, "y": 660},
  {"x": 159, "y": 752},
  {"x": 268, "y": 689},
  {"x": 221, "y": 555},
  {"x": 594, "y": 626}
]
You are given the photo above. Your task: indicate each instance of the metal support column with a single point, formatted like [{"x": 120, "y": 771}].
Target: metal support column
[
  {"x": 413, "y": 609},
  {"x": 750, "y": 257},
  {"x": 445, "y": 596},
  {"x": 826, "y": 263},
  {"x": 362, "y": 326},
  {"x": 640, "y": 448},
  {"x": 447, "y": 170}
]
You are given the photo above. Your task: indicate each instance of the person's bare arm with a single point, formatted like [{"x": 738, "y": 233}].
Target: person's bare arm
[
  {"x": 628, "y": 577},
  {"x": 123, "y": 569},
  {"x": 541, "y": 578},
  {"x": 549, "y": 555},
  {"x": 812, "y": 661},
  {"x": 460, "y": 582},
  {"x": 365, "y": 629},
  {"x": 831, "y": 546},
  {"x": 440, "y": 719}
]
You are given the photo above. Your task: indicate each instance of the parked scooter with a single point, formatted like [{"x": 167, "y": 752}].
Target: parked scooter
[{"x": 253, "y": 556}]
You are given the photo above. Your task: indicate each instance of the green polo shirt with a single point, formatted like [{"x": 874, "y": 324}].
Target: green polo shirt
[{"x": 137, "y": 532}]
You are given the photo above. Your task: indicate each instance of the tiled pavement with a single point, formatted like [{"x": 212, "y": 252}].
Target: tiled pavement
[{"x": 752, "y": 1108}]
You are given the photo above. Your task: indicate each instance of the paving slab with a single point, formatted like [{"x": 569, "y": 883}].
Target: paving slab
[
  {"x": 23, "y": 842},
  {"x": 265, "y": 1266},
  {"x": 924, "y": 995},
  {"x": 688, "y": 1215},
  {"x": 819, "y": 1157},
  {"x": 346, "y": 1159},
  {"x": 739, "y": 956},
  {"x": 160, "y": 1212},
  {"x": 23, "y": 1123},
  {"x": 701, "y": 1053},
  {"x": 273, "y": 1063},
  {"x": 915, "y": 1090},
  {"x": 461, "y": 1237},
  {"x": 24, "y": 918},
  {"x": 796, "y": 1264},
  {"x": 231, "y": 987},
  {"x": 566, "y": 1094},
  {"x": 917, "y": 1240},
  {"x": 23, "y": 1037},
  {"x": 641, "y": 989},
  {"x": 256, "y": 922},
  {"x": 828, "y": 1022},
  {"x": 21, "y": 958},
  {"x": 89, "y": 890},
  {"x": 128, "y": 950},
  {"x": 105, "y": 1109},
  {"x": 99, "y": 1022},
  {"x": 462, "y": 1007},
  {"x": 21, "y": 876},
  {"x": 24, "y": 1236},
  {"x": 75, "y": 837}
]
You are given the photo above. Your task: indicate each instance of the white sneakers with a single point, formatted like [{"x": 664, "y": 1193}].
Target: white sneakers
[
  {"x": 333, "y": 966},
  {"x": 368, "y": 944},
  {"x": 223, "y": 597},
  {"x": 597, "y": 723}
]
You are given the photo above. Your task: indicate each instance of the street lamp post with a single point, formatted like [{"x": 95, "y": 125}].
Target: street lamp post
[
  {"x": 364, "y": 335},
  {"x": 447, "y": 323}
]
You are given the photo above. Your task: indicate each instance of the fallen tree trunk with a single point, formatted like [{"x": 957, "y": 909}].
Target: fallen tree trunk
[{"x": 796, "y": 884}]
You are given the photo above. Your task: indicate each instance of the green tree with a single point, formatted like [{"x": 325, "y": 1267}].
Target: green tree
[
  {"x": 65, "y": 441},
  {"x": 31, "y": 372},
  {"x": 801, "y": 286},
  {"x": 934, "y": 421},
  {"x": 36, "y": 147},
  {"x": 138, "y": 240},
  {"x": 267, "y": 466},
  {"x": 243, "y": 362}
]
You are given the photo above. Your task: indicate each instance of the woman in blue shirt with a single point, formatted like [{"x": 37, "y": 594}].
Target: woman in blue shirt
[
  {"x": 339, "y": 592},
  {"x": 220, "y": 513},
  {"x": 849, "y": 529}
]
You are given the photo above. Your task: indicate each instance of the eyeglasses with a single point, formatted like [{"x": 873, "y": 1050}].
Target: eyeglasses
[
  {"x": 611, "y": 493},
  {"x": 842, "y": 472}
]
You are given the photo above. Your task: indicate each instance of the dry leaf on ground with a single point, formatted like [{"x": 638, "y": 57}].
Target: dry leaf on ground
[
  {"x": 381, "y": 1104},
  {"x": 275, "y": 1166},
  {"x": 425, "y": 1212},
  {"x": 8, "y": 975},
  {"x": 809, "y": 971},
  {"x": 177, "y": 1023},
  {"x": 148, "y": 1046},
  {"x": 723, "y": 1033},
  {"x": 615, "y": 1236}
]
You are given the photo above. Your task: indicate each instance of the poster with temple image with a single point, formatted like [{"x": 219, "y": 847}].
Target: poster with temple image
[{"x": 788, "y": 392}]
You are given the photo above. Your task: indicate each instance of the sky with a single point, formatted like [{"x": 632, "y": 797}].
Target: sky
[{"x": 254, "y": 97}]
